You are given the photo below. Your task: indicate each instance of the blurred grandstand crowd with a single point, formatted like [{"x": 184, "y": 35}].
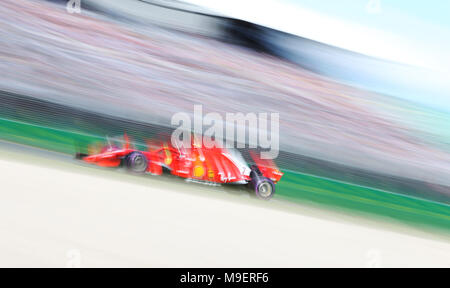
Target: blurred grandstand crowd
[{"x": 148, "y": 73}]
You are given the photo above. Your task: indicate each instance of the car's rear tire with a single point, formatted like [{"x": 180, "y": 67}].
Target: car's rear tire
[
  {"x": 263, "y": 186},
  {"x": 137, "y": 162}
]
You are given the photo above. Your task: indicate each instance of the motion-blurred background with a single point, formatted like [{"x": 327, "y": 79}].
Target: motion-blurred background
[{"x": 361, "y": 87}]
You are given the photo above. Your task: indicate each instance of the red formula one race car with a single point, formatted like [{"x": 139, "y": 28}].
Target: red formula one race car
[{"x": 197, "y": 163}]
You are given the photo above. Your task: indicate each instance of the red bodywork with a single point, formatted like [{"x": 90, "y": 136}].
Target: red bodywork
[{"x": 218, "y": 165}]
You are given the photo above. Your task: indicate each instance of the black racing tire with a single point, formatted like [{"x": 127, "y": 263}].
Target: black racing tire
[
  {"x": 264, "y": 187},
  {"x": 136, "y": 162}
]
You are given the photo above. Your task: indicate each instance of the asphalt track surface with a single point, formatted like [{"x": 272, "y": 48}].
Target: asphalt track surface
[{"x": 56, "y": 212}]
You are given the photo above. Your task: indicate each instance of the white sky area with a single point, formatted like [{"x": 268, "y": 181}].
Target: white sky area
[{"x": 410, "y": 32}]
